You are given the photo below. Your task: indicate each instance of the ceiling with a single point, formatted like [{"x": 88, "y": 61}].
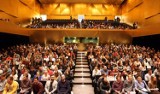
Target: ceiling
[{"x": 113, "y": 2}]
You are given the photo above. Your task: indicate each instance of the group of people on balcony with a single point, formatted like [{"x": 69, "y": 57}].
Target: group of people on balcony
[{"x": 84, "y": 24}]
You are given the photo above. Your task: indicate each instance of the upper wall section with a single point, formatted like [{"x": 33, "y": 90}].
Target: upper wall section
[
  {"x": 12, "y": 28},
  {"x": 145, "y": 12},
  {"x": 18, "y": 10},
  {"x": 91, "y": 11}
]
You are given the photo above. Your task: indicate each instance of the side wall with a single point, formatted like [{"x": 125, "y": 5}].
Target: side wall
[
  {"x": 19, "y": 10},
  {"x": 144, "y": 12}
]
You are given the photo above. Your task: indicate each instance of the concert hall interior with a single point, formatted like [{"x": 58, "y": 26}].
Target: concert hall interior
[{"x": 79, "y": 47}]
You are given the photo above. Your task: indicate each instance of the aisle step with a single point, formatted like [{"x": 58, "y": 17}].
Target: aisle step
[
  {"x": 82, "y": 81},
  {"x": 83, "y": 89},
  {"x": 82, "y": 66},
  {"x": 81, "y": 52},
  {"x": 80, "y": 75},
  {"x": 81, "y": 57},
  {"x": 81, "y": 60},
  {"x": 81, "y": 63},
  {"x": 82, "y": 69}
]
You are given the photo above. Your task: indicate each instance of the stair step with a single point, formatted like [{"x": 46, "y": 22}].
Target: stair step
[
  {"x": 81, "y": 63},
  {"x": 82, "y": 81},
  {"x": 83, "y": 89},
  {"x": 81, "y": 57},
  {"x": 82, "y": 69},
  {"x": 82, "y": 66},
  {"x": 81, "y": 60},
  {"x": 82, "y": 52},
  {"x": 84, "y": 75}
]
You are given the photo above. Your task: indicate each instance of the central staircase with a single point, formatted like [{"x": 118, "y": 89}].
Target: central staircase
[{"x": 82, "y": 83}]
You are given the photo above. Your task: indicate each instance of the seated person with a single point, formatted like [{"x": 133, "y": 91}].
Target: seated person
[
  {"x": 37, "y": 75},
  {"x": 68, "y": 74},
  {"x": 104, "y": 70},
  {"x": 113, "y": 71},
  {"x": 158, "y": 83},
  {"x": 45, "y": 76},
  {"x": 51, "y": 86},
  {"x": 129, "y": 84},
  {"x": 96, "y": 71},
  {"x": 25, "y": 73},
  {"x": 148, "y": 75},
  {"x": 11, "y": 86},
  {"x": 37, "y": 86},
  {"x": 152, "y": 84},
  {"x": 2, "y": 83},
  {"x": 25, "y": 85},
  {"x": 105, "y": 87},
  {"x": 117, "y": 86},
  {"x": 141, "y": 86},
  {"x": 63, "y": 86}
]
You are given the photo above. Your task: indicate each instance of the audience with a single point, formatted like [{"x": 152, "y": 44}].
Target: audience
[
  {"x": 85, "y": 24},
  {"x": 33, "y": 66},
  {"x": 133, "y": 65},
  {"x": 115, "y": 68}
]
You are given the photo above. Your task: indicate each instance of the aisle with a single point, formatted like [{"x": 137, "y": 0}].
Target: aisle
[{"x": 82, "y": 83}]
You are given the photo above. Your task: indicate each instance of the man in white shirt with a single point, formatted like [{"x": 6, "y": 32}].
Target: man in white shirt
[
  {"x": 26, "y": 73},
  {"x": 147, "y": 76},
  {"x": 51, "y": 86},
  {"x": 96, "y": 71}
]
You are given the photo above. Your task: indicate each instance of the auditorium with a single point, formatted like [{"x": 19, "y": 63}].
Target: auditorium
[{"x": 79, "y": 47}]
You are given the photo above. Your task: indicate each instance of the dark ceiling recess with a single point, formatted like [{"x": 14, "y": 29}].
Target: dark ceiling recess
[
  {"x": 124, "y": 2},
  {"x": 39, "y": 3}
]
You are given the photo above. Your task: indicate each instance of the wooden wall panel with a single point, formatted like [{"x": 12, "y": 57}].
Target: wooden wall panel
[
  {"x": 58, "y": 11},
  {"x": 146, "y": 13},
  {"x": 57, "y": 35},
  {"x": 151, "y": 7},
  {"x": 18, "y": 10}
]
